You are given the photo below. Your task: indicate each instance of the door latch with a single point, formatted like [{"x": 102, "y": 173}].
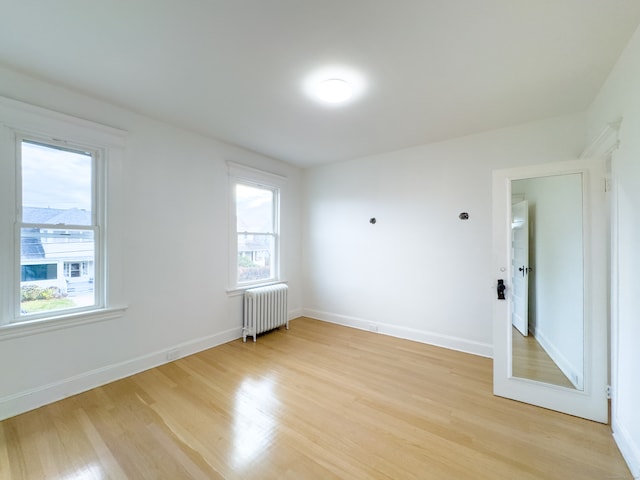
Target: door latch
[{"x": 501, "y": 288}]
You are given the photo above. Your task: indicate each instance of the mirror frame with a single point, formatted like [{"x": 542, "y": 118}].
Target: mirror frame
[{"x": 591, "y": 402}]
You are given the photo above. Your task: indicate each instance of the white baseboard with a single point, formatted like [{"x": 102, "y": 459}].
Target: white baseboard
[
  {"x": 630, "y": 451},
  {"x": 431, "y": 338},
  {"x": 24, "y": 401}
]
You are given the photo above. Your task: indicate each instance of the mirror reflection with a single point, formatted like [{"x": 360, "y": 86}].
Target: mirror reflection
[{"x": 547, "y": 294}]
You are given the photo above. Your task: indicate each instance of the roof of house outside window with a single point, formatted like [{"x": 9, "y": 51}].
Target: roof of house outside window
[
  {"x": 56, "y": 216},
  {"x": 31, "y": 246}
]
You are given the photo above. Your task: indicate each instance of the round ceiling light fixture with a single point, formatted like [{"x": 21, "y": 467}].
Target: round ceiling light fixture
[
  {"x": 334, "y": 86},
  {"x": 334, "y": 90}
]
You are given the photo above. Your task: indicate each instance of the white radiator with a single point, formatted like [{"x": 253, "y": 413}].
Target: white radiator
[{"x": 265, "y": 308}]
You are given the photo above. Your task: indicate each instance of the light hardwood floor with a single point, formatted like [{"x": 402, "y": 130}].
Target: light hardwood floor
[{"x": 318, "y": 401}]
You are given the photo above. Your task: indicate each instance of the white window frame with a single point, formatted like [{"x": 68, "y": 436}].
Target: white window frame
[
  {"x": 20, "y": 121},
  {"x": 244, "y": 175},
  {"x": 96, "y": 225}
]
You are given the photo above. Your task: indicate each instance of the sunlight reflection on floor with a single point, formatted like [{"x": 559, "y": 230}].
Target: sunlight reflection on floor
[
  {"x": 255, "y": 408},
  {"x": 87, "y": 472}
]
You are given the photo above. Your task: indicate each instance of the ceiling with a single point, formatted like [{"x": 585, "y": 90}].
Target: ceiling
[{"x": 237, "y": 70}]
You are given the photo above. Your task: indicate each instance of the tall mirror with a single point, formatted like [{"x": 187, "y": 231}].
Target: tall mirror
[
  {"x": 547, "y": 270},
  {"x": 550, "y": 297}
]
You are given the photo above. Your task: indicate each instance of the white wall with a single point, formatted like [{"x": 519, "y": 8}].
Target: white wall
[
  {"x": 420, "y": 272},
  {"x": 175, "y": 256},
  {"x": 620, "y": 97}
]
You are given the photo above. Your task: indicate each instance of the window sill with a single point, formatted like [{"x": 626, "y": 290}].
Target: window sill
[
  {"x": 42, "y": 325},
  {"x": 236, "y": 292}
]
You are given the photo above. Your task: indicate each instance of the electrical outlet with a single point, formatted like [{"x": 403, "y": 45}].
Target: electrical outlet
[
  {"x": 609, "y": 392},
  {"x": 173, "y": 355}
]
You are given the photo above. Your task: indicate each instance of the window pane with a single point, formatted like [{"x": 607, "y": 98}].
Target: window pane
[
  {"x": 57, "y": 269},
  {"x": 56, "y": 185},
  {"x": 255, "y": 257},
  {"x": 254, "y": 209}
]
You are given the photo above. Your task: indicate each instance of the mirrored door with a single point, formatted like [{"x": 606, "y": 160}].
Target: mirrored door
[{"x": 550, "y": 331}]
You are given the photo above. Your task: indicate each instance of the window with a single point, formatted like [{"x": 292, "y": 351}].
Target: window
[
  {"x": 256, "y": 233},
  {"x": 54, "y": 183},
  {"x": 255, "y": 226},
  {"x": 58, "y": 224}
]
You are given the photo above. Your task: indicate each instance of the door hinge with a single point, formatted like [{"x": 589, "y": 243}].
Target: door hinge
[
  {"x": 608, "y": 392},
  {"x": 607, "y": 185}
]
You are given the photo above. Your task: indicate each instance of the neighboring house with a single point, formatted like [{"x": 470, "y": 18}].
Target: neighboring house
[
  {"x": 52, "y": 255},
  {"x": 254, "y": 255}
]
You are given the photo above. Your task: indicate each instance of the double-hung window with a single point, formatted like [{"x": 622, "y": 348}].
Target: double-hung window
[
  {"x": 59, "y": 262},
  {"x": 255, "y": 245},
  {"x": 59, "y": 228}
]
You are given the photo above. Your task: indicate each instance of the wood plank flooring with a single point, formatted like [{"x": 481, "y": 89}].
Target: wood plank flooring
[{"x": 318, "y": 401}]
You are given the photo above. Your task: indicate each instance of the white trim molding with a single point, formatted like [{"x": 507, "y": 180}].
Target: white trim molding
[
  {"x": 41, "y": 121},
  {"x": 48, "y": 324},
  {"x": 605, "y": 143},
  {"x": 630, "y": 452},
  {"x": 254, "y": 175}
]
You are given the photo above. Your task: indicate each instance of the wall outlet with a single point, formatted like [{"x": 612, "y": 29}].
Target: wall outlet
[
  {"x": 373, "y": 328},
  {"x": 173, "y": 355},
  {"x": 609, "y": 392}
]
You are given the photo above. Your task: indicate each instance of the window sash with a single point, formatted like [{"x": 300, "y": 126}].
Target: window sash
[
  {"x": 62, "y": 255},
  {"x": 252, "y": 266},
  {"x": 60, "y": 146}
]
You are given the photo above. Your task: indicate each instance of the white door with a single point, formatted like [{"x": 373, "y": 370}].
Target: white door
[
  {"x": 520, "y": 266},
  {"x": 589, "y": 400}
]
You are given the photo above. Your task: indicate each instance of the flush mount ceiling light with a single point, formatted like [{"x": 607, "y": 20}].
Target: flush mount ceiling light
[
  {"x": 334, "y": 85},
  {"x": 334, "y": 90}
]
